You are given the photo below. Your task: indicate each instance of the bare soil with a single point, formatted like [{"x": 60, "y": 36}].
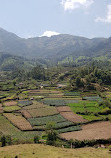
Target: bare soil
[
  {"x": 99, "y": 130},
  {"x": 10, "y": 103},
  {"x": 73, "y": 117},
  {"x": 26, "y": 114},
  {"x": 64, "y": 109}
]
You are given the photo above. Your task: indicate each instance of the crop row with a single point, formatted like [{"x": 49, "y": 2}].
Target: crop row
[
  {"x": 22, "y": 103},
  {"x": 44, "y": 120},
  {"x": 35, "y": 105},
  {"x": 70, "y": 129},
  {"x": 93, "y": 98},
  {"x": 19, "y": 121},
  {"x": 58, "y": 102},
  {"x": 11, "y": 108},
  {"x": 72, "y": 94},
  {"x": 45, "y": 111}
]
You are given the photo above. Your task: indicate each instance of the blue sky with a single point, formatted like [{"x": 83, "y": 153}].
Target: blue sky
[{"x": 30, "y": 18}]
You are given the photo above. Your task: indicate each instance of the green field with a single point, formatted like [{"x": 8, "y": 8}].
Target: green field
[
  {"x": 44, "y": 120},
  {"x": 11, "y": 108}
]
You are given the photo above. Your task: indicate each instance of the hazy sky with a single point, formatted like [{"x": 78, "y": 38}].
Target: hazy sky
[{"x": 28, "y": 18}]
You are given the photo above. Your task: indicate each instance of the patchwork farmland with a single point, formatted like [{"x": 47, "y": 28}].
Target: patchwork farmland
[{"x": 74, "y": 115}]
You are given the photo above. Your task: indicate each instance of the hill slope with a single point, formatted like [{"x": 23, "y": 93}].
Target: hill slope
[
  {"x": 55, "y": 48},
  {"x": 41, "y": 151}
]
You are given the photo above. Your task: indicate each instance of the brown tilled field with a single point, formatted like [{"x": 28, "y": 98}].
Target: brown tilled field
[
  {"x": 73, "y": 117},
  {"x": 99, "y": 130},
  {"x": 64, "y": 109},
  {"x": 19, "y": 121},
  {"x": 10, "y": 103},
  {"x": 26, "y": 114},
  {"x": 1, "y": 109}
]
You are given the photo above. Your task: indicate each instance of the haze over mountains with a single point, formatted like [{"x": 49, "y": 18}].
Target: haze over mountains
[{"x": 55, "y": 48}]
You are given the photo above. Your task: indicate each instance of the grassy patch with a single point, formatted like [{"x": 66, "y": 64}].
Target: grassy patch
[
  {"x": 11, "y": 108},
  {"x": 42, "y": 151},
  {"x": 92, "y": 117}
]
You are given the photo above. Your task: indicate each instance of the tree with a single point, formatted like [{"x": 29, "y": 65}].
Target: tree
[
  {"x": 36, "y": 139},
  {"x": 79, "y": 83},
  {"x": 8, "y": 140},
  {"x": 51, "y": 133},
  {"x": 3, "y": 140}
]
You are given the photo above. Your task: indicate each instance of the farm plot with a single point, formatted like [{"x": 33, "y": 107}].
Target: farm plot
[
  {"x": 45, "y": 111},
  {"x": 72, "y": 94},
  {"x": 35, "y": 105},
  {"x": 100, "y": 130},
  {"x": 69, "y": 129},
  {"x": 63, "y": 109},
  {"x": 11, "y": 108},
  {"x": 45, "y": 91},
  {"x": 73, "y": 117},
  {"x": 58, "y": 126},
  {"x": 7, "y": 128},
  {"x": 93, "y": 98},
  {"x": 55, "y": 96},
  {"x": 26, "y": 114},
  {"x": 44, "y": 120},
  {"x": 59, "y": 102},
  {"x": 84, "y": 107},
  {"x": 1, "y": 109},
  {"x": 108, "y": 95},
  {"x": 19, "y": 121},
  {"x": 23, "y": 103},
  {"x": 10, "y": 103}
]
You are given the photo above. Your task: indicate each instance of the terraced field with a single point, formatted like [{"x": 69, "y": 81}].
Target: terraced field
[
  {"x": 11, "y": 108},
  {"x": 7, "y": 128},
  {"x": 41, "y": 112},
  {"x": 10, "y": 103},
  {"x": 1, "y": 109},
  {"x": 18, "y": 121},
  {"x": 69, "y": 111},
  {"x": 66, "y": 112},
  {"x": 99, "y": 130}
]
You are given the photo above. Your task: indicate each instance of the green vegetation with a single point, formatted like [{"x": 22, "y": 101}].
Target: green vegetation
[
  {"x": 7, "y": 128},
  {"x": 59, "y": 102},
  {"x": 22, "y": 103},
  {"x": 44, "y": 120},
  {"x": 11, "y": 108},
  {"x": 69, "y": 129}
]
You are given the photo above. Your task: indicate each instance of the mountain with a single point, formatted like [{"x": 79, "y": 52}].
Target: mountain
[
  {"x": 55, "y": 48},
  {"x": 11, "y": 62}
]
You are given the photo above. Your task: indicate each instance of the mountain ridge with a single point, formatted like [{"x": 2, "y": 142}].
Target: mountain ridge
[{"x": 54, "y": 48}]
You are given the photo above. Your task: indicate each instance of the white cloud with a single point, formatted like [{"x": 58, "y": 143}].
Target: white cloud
[
  {"x": 107, "y": 19},
  {"x": 49, "y": 33},
  {"x": 74, "y": 4}
]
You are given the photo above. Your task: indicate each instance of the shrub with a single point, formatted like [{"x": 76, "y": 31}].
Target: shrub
[
  {"x": 36, "y": 139},
  {"x": 8, "y": 140},
  {"x": 3, "y": 140}
]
